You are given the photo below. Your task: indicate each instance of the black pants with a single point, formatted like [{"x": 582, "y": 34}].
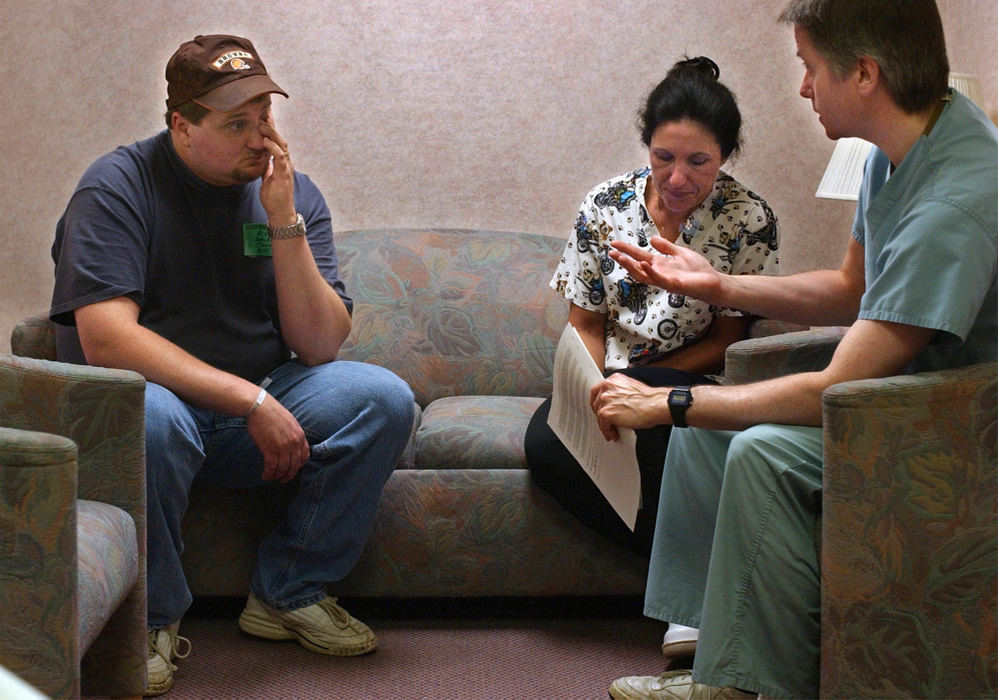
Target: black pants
[{"x": 553, "y": 468}]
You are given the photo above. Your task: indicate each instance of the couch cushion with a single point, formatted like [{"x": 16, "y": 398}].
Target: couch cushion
[
  {"x": 455, "y": 312},
  {"x": 474, "y": 432},
  {"x": 484, "y": 532},
  {"x": 108, "y": 564}
]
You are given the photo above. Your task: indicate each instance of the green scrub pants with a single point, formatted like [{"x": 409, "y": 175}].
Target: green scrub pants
[{"x": 735, "y": 554}]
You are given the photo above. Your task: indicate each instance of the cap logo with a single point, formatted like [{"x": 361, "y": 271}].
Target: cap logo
[{"x": 235, "y": 58}]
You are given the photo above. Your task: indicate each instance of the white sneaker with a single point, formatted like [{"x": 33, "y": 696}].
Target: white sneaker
[
  {"x": 680, "y": 640},
  {"x": 672, "y": 685},
  {"x": 165, "y": 645},
  {"x": 323, "y": 627}
]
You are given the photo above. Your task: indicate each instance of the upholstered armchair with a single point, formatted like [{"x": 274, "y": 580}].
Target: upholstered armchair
[
  {"x": 909, "y": 541},
  {"x": 72, "y": 528}
]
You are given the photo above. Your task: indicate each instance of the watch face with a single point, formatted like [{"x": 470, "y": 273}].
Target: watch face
[{"x": 679, "y": 397}]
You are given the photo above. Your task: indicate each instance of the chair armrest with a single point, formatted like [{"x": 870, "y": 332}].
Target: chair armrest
[
  {"x": 101, "y": 410},
  {"x": 34, "y": 337},
  {"x": 761, "y": 327},
  {"x": 909, "y": 554},
  {"x": 957, "y": 388},
  {"x": 38, "y": 604},
  {"x": 755, "y": 359}
]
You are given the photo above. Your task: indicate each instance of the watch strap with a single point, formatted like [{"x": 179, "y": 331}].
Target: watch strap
[
  {"x": 680, "y": 399},
  {"x": 293, "y": 231}
]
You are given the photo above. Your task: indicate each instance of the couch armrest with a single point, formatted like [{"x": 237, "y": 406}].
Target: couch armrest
[
  {"x": 909, "y": 553},
  {"x": 34, "y": 337},
  {"x": 38, "y": 602},
  {"x": 755, "y": 359}
]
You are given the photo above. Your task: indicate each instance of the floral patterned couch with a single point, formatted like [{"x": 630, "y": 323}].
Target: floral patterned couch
[{"x": 467, "y": 319}]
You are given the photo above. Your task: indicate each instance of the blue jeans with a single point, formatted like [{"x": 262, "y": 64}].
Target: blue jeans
[
  {"x": 735, "y": 554},
  {"x": 357, "y": 419}
]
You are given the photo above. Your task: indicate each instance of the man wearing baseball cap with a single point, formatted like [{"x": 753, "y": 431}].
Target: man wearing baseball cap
[{"x": 201, "y": 259}]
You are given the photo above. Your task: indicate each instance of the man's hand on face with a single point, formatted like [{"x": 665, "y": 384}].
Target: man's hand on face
[
  {"x": 277, "y": 191},
  {"x": 280, "y": 438}
]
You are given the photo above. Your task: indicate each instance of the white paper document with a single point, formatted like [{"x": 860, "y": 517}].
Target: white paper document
[{"x": 613, "y": 466}]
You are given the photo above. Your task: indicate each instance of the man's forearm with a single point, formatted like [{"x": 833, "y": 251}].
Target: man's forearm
[
  {"x": 815, "y": 298},
  {"x": 314, "y": 320},
  {"x": 822, "y": 297},
  {"x": 790, "y": 400},
  {"x": 111, "y": 337},
  {"x": 870, "y": 349}
]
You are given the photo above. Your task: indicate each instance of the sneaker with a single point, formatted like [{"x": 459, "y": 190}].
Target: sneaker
[
  {"x": 324, "y": 627},
  {"x": 672, "y": 685},
  {"x": 165, "y": 645},
  {"x": 680, "y": 640}
]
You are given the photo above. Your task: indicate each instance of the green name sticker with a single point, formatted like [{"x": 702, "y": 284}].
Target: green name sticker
[{"x": 256, "y": 242}]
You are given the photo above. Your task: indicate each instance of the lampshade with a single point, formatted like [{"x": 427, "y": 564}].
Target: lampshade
[
  {"x": 969, "y": 85},
  {"x": 844, "y": 173}
]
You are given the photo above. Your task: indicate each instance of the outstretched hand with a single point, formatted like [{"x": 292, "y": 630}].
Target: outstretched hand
[{"x": 678, "y": 270}]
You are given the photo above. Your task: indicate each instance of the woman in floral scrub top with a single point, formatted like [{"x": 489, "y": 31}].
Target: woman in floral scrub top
[{"x": 691, "y": 125}]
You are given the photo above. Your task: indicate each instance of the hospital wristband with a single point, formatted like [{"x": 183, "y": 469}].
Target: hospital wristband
[{"x": 256, "y": 404}]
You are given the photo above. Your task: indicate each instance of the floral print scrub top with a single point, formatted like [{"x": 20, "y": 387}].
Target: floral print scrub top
[{"x": 733, "y": 228}]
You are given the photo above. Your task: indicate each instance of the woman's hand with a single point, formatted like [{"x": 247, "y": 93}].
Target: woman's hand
[{"x": 677, "y": 269}]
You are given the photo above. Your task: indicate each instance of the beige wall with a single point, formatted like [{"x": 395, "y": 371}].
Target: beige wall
[{"x": 485, "y": 114}]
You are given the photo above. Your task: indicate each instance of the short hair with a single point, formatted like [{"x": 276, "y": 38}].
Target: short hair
[
  {"x": 904, "y": 37},
  {"x": 190, "y": 110},
  {"x": 691, "y": 90}
]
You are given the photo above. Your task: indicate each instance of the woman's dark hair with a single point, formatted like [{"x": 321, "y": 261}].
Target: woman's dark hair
[{"x": 691, "y": 90}]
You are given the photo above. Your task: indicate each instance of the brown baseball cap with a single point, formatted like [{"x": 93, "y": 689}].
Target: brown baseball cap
[{"x": 218, "y": 71}]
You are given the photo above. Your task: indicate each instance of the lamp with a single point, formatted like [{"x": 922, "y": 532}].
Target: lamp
[
  {"x": 969, "y": 85},
  {"x": 845, "y": 168}
]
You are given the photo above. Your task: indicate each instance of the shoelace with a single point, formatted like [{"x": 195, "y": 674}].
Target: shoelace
[
  {"x": 176, "y": 644},
  {"x": 338, "y": 615}
]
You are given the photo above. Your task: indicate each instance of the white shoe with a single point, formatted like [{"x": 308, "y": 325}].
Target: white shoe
[
  {"x": 165, "y": 645},
  {"x": 672, "y": 685},
  {"x": 323, "y": 627},
  {"x": 680, "y": 640}
]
